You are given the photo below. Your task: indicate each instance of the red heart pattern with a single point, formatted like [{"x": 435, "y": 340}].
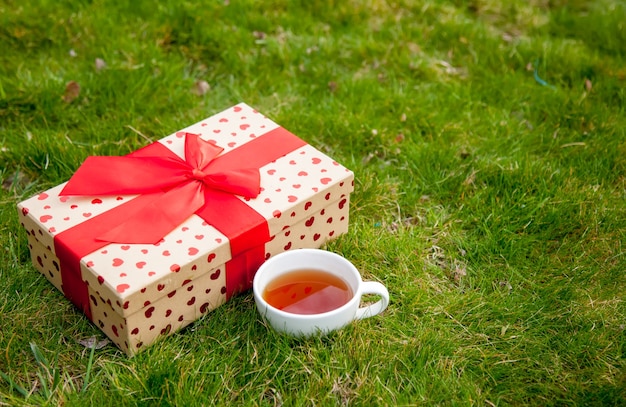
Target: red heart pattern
[
  {"x": 45, "y": 218},
  {"x": 149, "y": 312},
  {"x": 122, "y": 287}
]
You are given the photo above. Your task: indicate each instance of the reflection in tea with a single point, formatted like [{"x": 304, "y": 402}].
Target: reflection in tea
[{"x": 307, "y": 291}]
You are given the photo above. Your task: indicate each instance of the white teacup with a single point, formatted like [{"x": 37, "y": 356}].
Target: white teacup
[{"x": 308, "y": 324}]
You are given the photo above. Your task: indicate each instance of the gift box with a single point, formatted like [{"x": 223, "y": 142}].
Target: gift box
[{"x": 147, "y": 243}]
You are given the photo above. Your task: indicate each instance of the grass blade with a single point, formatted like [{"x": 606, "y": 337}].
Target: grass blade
[
  {"x": 14, "y": 385},
  {"x": 39, "y": 357},
  {"x": 89, "y": 367}
]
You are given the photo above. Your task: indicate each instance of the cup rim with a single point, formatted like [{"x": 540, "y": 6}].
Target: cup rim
[{"x": 355, "y": 296}]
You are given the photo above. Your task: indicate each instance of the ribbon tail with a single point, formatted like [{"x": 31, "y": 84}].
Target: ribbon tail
[{"x": 151, "y": 223}]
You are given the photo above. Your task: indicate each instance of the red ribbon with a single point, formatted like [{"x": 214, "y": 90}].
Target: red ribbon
[{"x": 171, "y": 190}]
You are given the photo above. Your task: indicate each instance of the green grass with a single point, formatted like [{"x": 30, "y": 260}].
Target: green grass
[{"x": 492, "y": 207}]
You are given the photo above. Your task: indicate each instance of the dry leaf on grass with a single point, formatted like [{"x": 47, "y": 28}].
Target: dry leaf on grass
[
  {"x": 459, "y": 272},
  {"x": 92, "y": 342},
  {"x": 72, "y": 91},
  {"x": 413, "y": 48},
  {"x": 100, "y": 64},
  {"x": 259, "y": 35},
  {"x": 201, "y": 87},
  {"x": 470, "y": 178}
]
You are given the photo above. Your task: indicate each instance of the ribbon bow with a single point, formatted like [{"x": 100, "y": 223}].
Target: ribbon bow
[
  {"x": 169, "y": 190},
  {"x": 172, "y": 188}
]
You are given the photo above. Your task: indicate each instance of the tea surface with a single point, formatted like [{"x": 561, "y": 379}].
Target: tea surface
[{"x": 307, "y": 291}]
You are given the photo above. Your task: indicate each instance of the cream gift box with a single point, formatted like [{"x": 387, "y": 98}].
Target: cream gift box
[{"x": 136, "y": 291}]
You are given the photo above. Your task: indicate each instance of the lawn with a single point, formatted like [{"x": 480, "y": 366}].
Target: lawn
[{"x": 488, "y": 142}]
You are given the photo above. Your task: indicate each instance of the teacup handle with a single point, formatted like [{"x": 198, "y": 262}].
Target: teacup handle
[{"x": 373, "y": 287}]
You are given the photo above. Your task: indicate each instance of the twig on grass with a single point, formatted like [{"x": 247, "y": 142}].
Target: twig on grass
[{"x": 139, "y": 133}]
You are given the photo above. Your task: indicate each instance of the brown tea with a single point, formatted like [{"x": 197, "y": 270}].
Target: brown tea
[{"x": 307, "y": 291}]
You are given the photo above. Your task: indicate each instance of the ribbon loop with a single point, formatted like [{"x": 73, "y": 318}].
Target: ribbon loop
[
  {"x": 245, "y": 182},
  {"x": 199, "y": 153}
]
